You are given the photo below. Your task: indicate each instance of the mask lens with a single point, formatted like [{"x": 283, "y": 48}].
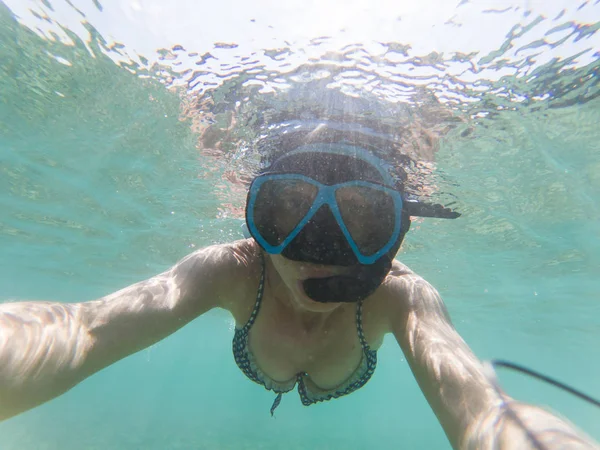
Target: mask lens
[
  {"x": 280, "y": 205},
  {"x": 369, "y": 215}
]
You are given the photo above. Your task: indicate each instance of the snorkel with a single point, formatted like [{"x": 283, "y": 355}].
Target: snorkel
[
  {"x": 321, "y": 235},
  {"x": 321, "y": 239}
]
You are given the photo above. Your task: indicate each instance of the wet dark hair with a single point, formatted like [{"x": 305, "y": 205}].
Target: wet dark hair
[
  {"x": 288, "y": 136},
  {"x": 246, "y": 131}
]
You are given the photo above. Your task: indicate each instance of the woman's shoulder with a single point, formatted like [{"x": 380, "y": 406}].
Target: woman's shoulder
[
  {"x": 222, "y": 259},
  {"x": 233, "y": 268},
  {"x": 404, "y": 290},
  {"x": 403, "y": 279},
  {"x": 401, "y": 276}
]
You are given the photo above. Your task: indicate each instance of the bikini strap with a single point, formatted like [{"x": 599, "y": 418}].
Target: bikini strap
[
  {"x": 359, "y": 327},
  {"x": 276, "y": 404},
  {"x": 259, "y": 295}
]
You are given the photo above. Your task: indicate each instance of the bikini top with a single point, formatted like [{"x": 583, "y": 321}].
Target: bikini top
[{"x": 247, "y": 364}]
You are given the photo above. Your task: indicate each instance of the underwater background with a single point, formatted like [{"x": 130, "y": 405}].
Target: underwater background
[{"x": 106, "y": 179}]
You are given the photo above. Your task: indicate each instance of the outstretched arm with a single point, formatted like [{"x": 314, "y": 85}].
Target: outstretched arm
[
  {"x": 472, "y": 412},
  {"x": 47, "y": 348}
]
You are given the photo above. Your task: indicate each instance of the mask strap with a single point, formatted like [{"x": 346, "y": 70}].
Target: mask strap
[{"x": 346, "y": 150}]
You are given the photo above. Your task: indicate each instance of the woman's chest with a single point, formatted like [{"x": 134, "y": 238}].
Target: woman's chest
[{"x": 329, "y": 353}]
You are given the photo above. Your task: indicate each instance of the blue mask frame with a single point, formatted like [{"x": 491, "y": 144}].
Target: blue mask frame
[{"x": 325, "y": 196}]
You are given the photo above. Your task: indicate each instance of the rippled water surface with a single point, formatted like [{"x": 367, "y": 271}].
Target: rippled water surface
[{"x": 128, "y": 129}]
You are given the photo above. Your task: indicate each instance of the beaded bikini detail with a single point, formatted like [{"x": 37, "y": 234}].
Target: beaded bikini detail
[{"x": 247, "y": 364}]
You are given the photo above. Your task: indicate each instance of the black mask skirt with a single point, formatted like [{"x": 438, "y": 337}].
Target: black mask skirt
[{"x": 321, "y": 240}]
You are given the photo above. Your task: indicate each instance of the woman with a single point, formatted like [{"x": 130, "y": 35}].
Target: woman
[{"x": 316, "y": 290}]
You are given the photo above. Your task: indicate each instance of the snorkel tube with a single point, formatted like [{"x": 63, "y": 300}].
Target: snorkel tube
[
  {"x": 299, "y": 146},
  {"x": 321, "y": 240}
]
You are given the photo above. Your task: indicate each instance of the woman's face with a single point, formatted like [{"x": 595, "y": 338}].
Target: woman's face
[
  {"x": 319, "y": 266},
  {"x": 292, "y": 275}
]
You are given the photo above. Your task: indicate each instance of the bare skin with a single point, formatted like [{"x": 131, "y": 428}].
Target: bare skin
[{"x": 47, "y": 348}]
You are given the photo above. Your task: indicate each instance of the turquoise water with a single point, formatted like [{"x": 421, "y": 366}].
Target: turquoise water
[{"x": 102, "y": 184}]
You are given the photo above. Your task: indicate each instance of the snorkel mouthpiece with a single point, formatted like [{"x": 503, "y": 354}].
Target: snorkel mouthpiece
[
  {"x": 357, "y": 286},
  {"x": 322, "y": 242}
]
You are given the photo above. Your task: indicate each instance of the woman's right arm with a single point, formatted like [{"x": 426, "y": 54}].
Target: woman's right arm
[{"x": 47, "y": 348}]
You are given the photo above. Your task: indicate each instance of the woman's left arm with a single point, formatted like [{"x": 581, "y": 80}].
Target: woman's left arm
[{"x": 473, "y": 414}]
